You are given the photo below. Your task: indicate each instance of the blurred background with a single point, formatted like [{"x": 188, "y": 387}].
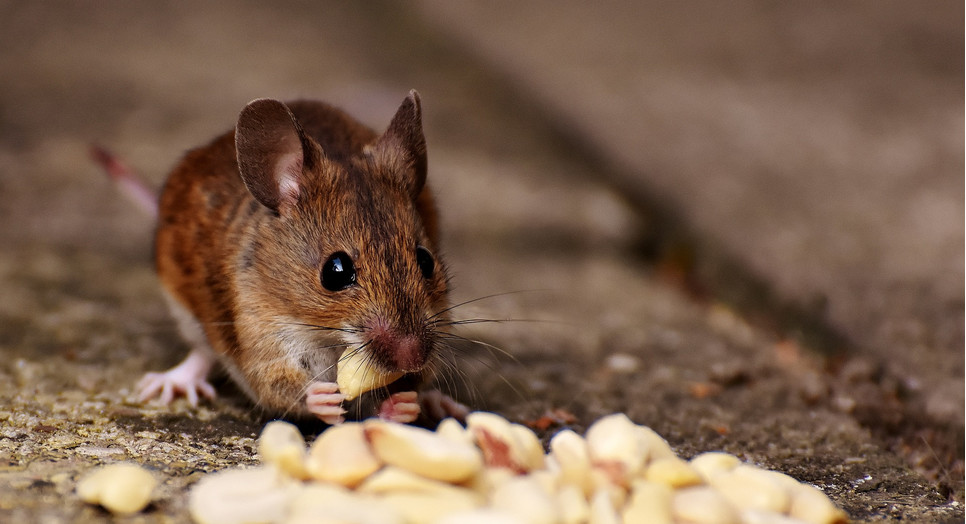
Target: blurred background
[{"x": 800, "y": 164}]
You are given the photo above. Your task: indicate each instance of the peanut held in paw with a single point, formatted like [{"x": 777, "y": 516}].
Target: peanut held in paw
[{"x": 356, "y": 375}]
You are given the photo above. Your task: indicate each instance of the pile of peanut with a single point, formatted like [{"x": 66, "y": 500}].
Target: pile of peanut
[{"x": 494, "y": 471}]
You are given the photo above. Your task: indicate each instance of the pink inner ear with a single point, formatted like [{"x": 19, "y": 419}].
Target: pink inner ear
[{"x": 288, "y": 170}]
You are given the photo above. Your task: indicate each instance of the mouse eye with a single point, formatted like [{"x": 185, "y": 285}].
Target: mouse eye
[
  {"x": 338, "y": 272},
  {"x": 425, "y": 262}
]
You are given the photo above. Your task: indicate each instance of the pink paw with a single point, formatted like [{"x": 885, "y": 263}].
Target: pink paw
[
  {"x": 187, "y": 378},
  {"x": 325, "y": 402},
  {"x": 400, "y": 407}
]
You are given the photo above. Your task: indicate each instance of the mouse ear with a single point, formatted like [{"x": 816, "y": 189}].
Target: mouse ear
[
  {"x": 272, "y": 153},
  {"x": 403, "y": 145}
]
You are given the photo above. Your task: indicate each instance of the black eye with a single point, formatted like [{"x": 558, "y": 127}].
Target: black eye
[
  {"x": 425, "y": 262},
  {"x": 338, "y": 272}
]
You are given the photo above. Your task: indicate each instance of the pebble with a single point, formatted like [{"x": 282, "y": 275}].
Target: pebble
[{"x": 623, "y": 363}]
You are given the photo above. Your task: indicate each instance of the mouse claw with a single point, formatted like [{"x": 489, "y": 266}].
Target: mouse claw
[
  {"x": 166, "y": 386},
  {"x": 203, "y": 387},
  {"x": 323, "y": 400},
  {"x": 402, "y": 407},
  {"x": 187, "y": 378}
]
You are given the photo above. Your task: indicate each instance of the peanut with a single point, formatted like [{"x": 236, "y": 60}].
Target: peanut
[
  {"x": 356, "y": 374},
  {"x": 341, "y": 455},
  {"x": 123, "y": 489},
  {"x": 422, "y": 452},
  {"x": 496, "y": 471},
  {"x": 282, "y": 445}
]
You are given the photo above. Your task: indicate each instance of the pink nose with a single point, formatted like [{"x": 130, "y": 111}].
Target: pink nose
[
  {"x": 408, "y": 353},
  {"x": 402, "y": 352}
]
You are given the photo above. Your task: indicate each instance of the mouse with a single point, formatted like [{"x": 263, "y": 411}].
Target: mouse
[{"x": 298, "y": 236}]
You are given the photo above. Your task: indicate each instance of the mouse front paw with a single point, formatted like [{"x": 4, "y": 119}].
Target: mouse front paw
[
  {"x": 325, "y": 402},
  {"x": 402, "y": 407},
  {"x": 187, "y": 378}
]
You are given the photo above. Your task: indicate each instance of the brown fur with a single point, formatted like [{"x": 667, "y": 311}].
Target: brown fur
[{"x": 244, "y": 256}]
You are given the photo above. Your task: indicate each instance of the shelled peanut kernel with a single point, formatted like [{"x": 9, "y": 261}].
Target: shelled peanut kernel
[
  {"x": 123, "y": 489},
  {"x": 496, "y": 471}
]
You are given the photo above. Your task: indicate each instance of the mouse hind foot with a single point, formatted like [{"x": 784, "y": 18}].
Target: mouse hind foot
[{"x": 189, "y": 378}]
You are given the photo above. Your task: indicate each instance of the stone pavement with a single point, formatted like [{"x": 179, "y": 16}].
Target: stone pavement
[
  {"x": 819, "y": 147},
  {"x": 739, "y": 223}
]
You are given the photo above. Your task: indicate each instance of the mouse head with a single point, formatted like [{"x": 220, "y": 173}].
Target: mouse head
[{"x": 349, "y": 227}]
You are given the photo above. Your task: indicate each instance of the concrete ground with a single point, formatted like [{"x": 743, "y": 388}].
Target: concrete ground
[{"x": 739, "y": 223}]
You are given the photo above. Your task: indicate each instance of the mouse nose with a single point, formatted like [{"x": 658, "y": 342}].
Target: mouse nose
[
  {"x": 408, "y": 353},
  {"x": 396, "y": 350}
]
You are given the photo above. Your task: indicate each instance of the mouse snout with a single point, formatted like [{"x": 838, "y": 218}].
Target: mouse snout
[
  {"x": 398, "y": 351},
  {"x": 408, "y": 353}
]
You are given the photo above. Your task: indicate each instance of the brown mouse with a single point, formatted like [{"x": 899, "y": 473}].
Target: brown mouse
[{"x": 293, "y": 237}]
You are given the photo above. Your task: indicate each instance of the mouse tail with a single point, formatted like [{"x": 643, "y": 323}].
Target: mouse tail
[{"x": 133, "y": 187}]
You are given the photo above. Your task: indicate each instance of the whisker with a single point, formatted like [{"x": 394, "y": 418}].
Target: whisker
[
  {"x": 478, "y": 299},
  {"x": 316, "y": 327},
  {"x": 460, "y": 338},
  {"x": 490, "y": 365},
  {"x": 351, "y": 353},
  {"x": 450, "y": 371},
  {"x": 455, "y": 357},
  {"x": 469, "y": 321},
  {"x": 300, "y": 324}
]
